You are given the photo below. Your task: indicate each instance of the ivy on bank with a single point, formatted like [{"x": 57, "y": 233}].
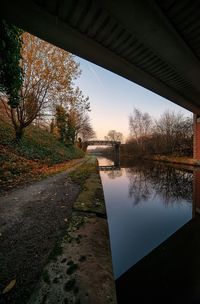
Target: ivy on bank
[{"x": 11, "y": 75}]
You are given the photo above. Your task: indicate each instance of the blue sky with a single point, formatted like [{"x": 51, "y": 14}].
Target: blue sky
[{"x": 113, "y": 98}]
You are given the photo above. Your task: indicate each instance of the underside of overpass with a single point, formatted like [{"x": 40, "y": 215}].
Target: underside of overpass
[{"x": 154, "y": 43}]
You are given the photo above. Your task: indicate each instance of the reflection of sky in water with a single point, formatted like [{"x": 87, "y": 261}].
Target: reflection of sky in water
[
  {"x": 105, "y": 161},
  {"x": 136, "y": 228}
]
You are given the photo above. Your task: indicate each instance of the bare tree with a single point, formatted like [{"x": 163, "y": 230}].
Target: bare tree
[
  {"x": 140, "y": 125},
  {"x": 114, "y": 136},
  {"x": 176, "y": 132},
  {"x": 172, "y": 133},
  {"x": 85, "y": 129}
]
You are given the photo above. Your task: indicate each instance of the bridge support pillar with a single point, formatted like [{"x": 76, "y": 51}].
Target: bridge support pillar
[
  {"x": 196, "y": 173},
  {"x": 196, "y": 142},
  {"x": 117, "y": 155}
]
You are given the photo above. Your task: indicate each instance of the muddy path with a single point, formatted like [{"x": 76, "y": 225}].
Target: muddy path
[{"x": 32, "y": 220}]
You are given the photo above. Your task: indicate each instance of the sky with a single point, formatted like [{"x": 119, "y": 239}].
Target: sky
[{"x": 113, "y": 98}]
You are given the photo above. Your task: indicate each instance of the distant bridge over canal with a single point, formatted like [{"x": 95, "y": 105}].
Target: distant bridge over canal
[
  {"x": 112, "y": 143},
  {"x": 103, "y": 143}
]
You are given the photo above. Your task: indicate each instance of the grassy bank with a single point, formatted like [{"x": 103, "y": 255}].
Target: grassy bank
[{"x": 38, "y": 153}]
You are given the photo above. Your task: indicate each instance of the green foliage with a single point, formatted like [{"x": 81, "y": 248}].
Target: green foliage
[
  {"x": 38, "y": 144},
  {"x": 6, "y": 133},
  {"x": 71, "y": 116},
  {"x": 70, "y": 284},
  {"x": 46, "y": 277},
  {"x": 72, "y": 268},
  {"x": 61, "y": 121},
  {"x": 11, "y": 76},
  {"x": 82, "y": 173},
  {"x": 12, "y": 166},
  {"x": 57, "y": 250},
  {"x": 71, "y": 129}
]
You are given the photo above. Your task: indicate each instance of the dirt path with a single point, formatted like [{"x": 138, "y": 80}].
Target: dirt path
[{"x": 32, "y": 220}]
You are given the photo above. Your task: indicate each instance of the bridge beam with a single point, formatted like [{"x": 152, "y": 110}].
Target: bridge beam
[{"x": 196, "y": 173}]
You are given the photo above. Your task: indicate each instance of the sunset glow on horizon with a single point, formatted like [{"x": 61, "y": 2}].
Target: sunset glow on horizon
[{"x": 113, "y": 99}]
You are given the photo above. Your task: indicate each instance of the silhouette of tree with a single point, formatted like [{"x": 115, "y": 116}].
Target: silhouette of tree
[{"x": 114, "y": 136}]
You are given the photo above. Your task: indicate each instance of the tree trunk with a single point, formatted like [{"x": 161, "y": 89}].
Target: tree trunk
[{"x": 19, "y": 133}]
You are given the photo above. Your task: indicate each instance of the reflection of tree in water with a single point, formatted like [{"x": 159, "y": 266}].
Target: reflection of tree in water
[
  {"x": 112, "y": 174},
  {"x": 172, "y": 184},
  {"x": 139, "y": 188}
]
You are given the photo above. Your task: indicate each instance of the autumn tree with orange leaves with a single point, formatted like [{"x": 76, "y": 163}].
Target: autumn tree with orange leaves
[{"x": 48, "y": 72}]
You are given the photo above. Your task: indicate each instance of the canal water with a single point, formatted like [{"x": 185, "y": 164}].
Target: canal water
[{"x": 146, "y": 203}]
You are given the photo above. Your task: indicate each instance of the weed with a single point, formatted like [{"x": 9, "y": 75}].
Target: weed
[
  {"x": 76, "y": 290},
  {"x": 46, "y": 277},
  {"x": 44, "y": 299},
  {"x": 72, "y": 268},
  {"x": 78, "y": 239},
  {"x": 55, "y": 280},
  {"x": 69, "y": 285},
  {"x": 57, "y": 250},
  {"x": 82, "y": 258},
  {"x": 64, "y": 260}
]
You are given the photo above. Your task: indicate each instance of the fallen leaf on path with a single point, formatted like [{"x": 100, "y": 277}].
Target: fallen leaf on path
[{"x": 9, "y": 286}]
